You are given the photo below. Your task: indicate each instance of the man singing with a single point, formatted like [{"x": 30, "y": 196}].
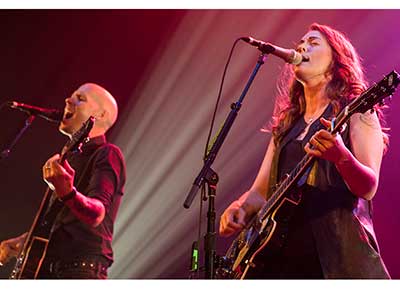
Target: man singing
[{"x": 90, "y": 185}]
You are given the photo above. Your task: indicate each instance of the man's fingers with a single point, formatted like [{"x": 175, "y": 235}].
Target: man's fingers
[
  {"x": 50, "y": 163},
  {"x": 68, "y": 168}
]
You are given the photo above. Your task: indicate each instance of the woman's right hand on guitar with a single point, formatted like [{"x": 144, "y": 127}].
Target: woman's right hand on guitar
[
  {"x": 239, "y": 212},
  {"x": 232, "y": 220},
  {"x": 10, "y": 248}
]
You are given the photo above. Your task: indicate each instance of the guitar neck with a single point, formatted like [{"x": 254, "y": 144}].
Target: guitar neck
[
  {"x": 287, "y": 183},
  {"x": 38, "y": 217},
  {"x": 37, "y": 228}
]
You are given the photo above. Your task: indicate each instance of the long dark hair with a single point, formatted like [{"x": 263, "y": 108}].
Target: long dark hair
[{"x": 348, "y": 81}]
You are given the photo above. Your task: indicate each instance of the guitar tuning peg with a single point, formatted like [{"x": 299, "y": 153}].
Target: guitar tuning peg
[
  {"x": 372, "y": 111},
  {"x": 382, "y": 103},
  {"x": 390, "y": 97}
]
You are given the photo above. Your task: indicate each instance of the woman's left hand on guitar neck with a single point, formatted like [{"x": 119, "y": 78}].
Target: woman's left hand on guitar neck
[
  {"x": 326, "y": 145},
  {"x": 360, "y": 166}
]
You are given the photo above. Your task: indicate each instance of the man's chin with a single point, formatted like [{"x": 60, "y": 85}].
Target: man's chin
[{"x": 66, "y": 130}]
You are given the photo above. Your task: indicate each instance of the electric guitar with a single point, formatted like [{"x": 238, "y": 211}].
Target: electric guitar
[
  {"x": 34, "y": 250},
  {"x": 267, "y": 229}
]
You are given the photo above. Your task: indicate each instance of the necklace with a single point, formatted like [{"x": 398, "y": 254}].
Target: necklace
[{"x": 314, "y": 116}]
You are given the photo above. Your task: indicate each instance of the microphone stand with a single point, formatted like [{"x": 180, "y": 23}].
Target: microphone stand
[
  {"x": 6, "y": 152},
  {"x": 207, "y": 175},
  {"x": 209, "y": 238}
]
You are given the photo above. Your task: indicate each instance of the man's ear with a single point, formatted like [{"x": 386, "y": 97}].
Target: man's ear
[{"x": 101, "y": 115}]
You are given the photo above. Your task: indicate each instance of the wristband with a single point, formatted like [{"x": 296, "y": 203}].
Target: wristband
[{"x": 69, "y": 196}]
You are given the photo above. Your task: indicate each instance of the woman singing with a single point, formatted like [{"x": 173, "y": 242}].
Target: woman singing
[{"x": 330, "y": 233}]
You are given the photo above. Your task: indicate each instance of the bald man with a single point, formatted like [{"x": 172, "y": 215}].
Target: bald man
[{"x": 90, "y": 185}]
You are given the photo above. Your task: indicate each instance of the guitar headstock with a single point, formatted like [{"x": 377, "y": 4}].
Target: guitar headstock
[
  {"x": 79, "y": 137},
  {"x": 376, "y": 94}
]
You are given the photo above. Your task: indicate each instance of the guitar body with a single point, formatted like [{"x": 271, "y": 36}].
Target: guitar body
[
  {"x": 28, "y": 265},
  {"x": 34, "y": 250},
  {"x": 272, "y": 238},
  {"x": 262, "y": 238}
]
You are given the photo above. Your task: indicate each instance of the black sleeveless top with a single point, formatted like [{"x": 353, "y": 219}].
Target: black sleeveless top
[
  {"x": 331, "y": 232},
  {"x": 297, "y": 258}
]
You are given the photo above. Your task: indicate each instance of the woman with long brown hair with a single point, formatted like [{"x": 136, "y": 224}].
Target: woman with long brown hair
[{"x": 330, "y": 233}]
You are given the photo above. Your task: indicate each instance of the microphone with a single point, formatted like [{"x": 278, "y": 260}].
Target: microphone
[
  {"x": 52, "y": 115},
  {"x": 291, "y": 56}
]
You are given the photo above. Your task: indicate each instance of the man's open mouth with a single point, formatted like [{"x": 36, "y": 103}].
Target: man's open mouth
[{"x": 68, "y": 115}]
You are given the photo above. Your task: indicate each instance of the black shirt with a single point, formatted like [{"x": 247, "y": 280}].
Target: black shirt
[{"x": 99, "y": 174}]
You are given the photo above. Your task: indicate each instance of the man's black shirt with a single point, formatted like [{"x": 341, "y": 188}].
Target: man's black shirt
[{"x": 99, "y": 174}]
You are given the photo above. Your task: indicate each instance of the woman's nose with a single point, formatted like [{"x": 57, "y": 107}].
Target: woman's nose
[{"x": 301, "y": 49}]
